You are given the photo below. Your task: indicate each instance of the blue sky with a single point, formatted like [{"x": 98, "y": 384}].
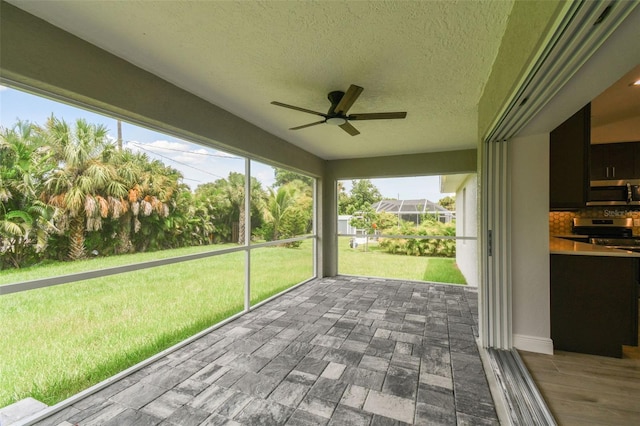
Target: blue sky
[{"x": 197, "y": 163}]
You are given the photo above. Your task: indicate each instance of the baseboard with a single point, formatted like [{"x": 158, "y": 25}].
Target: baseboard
[{"x": 533, "y": 344}]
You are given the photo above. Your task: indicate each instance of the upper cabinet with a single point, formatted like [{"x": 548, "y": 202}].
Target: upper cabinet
[
  {"x": 569, "y": 145},
  {"x": 615, "y": 125},
  {"x": 614, "y": 161},
  {"x": 601, "y": 142}
]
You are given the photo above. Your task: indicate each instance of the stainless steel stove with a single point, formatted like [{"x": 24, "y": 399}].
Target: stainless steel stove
[{"x": 609, "y": 232}]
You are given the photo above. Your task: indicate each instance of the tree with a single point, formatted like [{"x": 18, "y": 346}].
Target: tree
[
  {"x": 82, "y": 183},
  {"x": 344, "y": 200},
  {"x": 156, "y": 192},
  {"x": 236, "y": 194},
  {"x": 129, "y": 168},
  {"x": 230, "y": 193},
  {"x": 213, "y": 197},
  {"x": 278, "y": 204},
  {"x": 189, "y": 223},
  {"x": 448, "y": 202},
  {"x": 25, "y": 222},
  {"x": 363, "y": 195},
  {"x": 284, "y": 176}
]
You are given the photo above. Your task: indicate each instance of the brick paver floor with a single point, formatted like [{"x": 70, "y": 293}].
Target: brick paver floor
[{"x": 335, "y": 351}]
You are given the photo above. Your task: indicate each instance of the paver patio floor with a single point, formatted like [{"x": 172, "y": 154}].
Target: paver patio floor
[{"x": 334, "y": 351}]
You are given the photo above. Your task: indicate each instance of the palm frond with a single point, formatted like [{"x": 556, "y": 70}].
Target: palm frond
[
  {"x": 10, "y": 228},
  {"x": 74, "y": 201},
  {"x": 103, "y": 206},
  {"x": 116, "y": 189}
]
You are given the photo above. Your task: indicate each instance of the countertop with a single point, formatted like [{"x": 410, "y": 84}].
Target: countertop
[
  {"x": 572, "y": 236},
  {"x": 562, "y": 246}
]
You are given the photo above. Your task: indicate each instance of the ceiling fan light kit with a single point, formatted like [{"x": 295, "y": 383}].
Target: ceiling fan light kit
[
  {"x": 341, "y": 102},
  {"x": 336, "y": 121}
]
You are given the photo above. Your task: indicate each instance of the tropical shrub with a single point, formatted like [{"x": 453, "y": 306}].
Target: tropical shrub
[
  {"x": 420, "y": 247},
  {"x": 288, "y": 212},
  {"x": 25, "y": 221}
]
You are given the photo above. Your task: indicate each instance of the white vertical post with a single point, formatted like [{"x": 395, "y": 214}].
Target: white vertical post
[
  {"x": 496, "y": 301},
  {"x": 247, "y": 234},
  {"x": 316, "y": 241}
]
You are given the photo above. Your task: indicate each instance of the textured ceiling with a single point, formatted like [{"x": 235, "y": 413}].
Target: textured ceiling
[
  {"x": 619, "y": 102},
  {"x": 429, "y": 58}
]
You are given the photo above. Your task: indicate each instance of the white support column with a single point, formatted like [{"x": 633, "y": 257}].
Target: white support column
[
  {"x": 247, "y": 234},
  {"x": 496, "y": 263},
  {"x": 316, "y": 241}
]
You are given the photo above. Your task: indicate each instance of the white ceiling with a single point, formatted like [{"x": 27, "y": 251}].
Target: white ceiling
[
  {"x": 620, "y": 101},
  {"x": 429, "y": 58}
]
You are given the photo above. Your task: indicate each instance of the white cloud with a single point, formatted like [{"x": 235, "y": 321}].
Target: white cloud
[
  {"x": 179, "y": 151},
  {"x": 132, "y": 145},
  {"x": 197, "y": 163},
  {"x": 167, "y": 146},
  {"x": 224, "y": 154},
  {"x": 3, "y": 88},
  {"x": 264, "y": 177}
]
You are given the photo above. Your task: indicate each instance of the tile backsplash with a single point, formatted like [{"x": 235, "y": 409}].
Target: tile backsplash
[{"x": 560, "y": 222}]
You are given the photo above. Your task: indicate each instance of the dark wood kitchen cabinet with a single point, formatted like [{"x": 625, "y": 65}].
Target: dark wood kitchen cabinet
[
  {"x": 614, "y": 161},
  {"x": 569, "y": 151},
  {"x": 594, "y": 303}
]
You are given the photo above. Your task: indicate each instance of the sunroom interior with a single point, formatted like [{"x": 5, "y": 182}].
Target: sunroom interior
[{"x": 207, "y": 72}]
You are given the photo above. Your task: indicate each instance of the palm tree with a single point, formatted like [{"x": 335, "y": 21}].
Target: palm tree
[
  {"x": 279, "y": 203},
  {"x": 234, "y": 191},
  {"x": 221, "y": 212},
  {"x": 151, "y": 201},
  {"x": 25, "y": 233},
  {"x": 84, "y": 181},
  {"x": 129, "y": 167},
  {"x": 24, "y": 159},
  {"x": 25, "y": 222}
]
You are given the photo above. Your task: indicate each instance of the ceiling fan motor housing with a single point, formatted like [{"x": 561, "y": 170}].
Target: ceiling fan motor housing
[
  {"x": 334, "y": 118},
  {"x": 334, "y": 97},
  {"x": 341, "y": 102}
]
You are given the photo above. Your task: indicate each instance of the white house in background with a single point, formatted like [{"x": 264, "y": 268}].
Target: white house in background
[
  {"x": 466, "y": 190},
  {"x": 344, "y": 224},
  {"x": 412, "y": 210}
]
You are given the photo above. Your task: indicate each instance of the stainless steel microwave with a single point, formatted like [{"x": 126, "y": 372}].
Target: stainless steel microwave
[{"x": 614, "y": 193}]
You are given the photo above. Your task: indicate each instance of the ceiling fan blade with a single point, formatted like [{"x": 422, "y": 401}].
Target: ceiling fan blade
[
  {"x": 299, "y": 109},
  {"x": 378, "y": 116},
  {"x": 348, "y": 99},
  {"x": 307, "y": 125},
  {"x": 347, "y": 127}
]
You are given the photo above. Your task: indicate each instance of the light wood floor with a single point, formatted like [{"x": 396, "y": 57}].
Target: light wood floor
[{"x": 585, "y": 389}]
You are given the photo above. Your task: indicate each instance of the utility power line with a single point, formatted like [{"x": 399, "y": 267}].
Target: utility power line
[
  {"x": 176, "y": 161},
  {"x": 230, "y": 157}
]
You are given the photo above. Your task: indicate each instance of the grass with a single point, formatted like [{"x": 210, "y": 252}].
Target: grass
[
  {"x": 54, "y": 269},
  {"x": 443, "y": 270},
  {"x": 375, "y": 262},
  {"x": 59, "y": 340}
]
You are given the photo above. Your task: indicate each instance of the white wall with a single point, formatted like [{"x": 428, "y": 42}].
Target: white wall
[
  {"x": 467, "y": 226},
  {"x": 529, "y": 170}
]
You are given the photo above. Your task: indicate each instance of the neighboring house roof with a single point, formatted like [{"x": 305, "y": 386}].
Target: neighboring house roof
[{"x": 408, "y": 206}]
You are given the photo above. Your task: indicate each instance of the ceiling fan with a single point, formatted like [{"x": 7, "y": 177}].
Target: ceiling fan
[{"x": 337, "y": 114}]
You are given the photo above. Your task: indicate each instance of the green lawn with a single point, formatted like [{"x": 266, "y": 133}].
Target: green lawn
[
  {"x": 54, "y": 269},
  {"x": 443, "y": 270},
  {"x": 374, "y": 262},
  {"x": 59, "y": 340}
]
